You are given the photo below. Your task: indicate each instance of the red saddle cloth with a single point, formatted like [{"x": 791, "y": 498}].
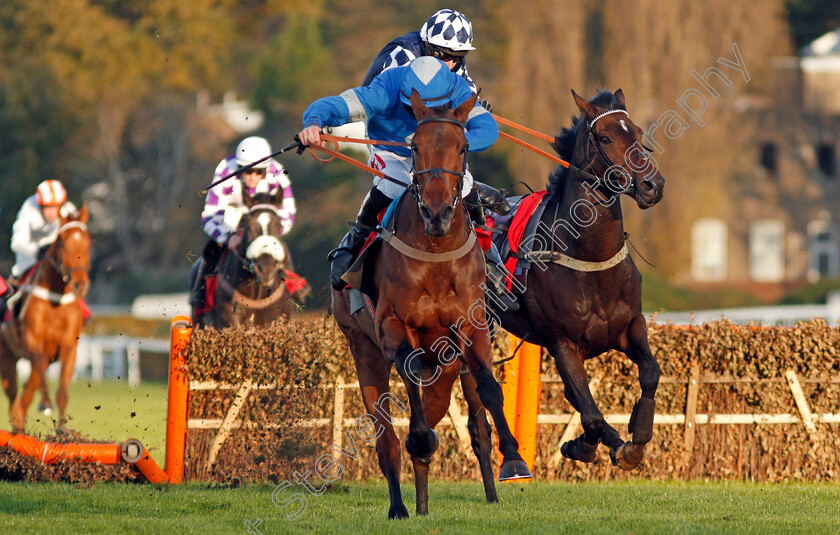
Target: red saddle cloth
[
  {"x": 294, "y": 282},
  {"x": 516, "y": 230}
]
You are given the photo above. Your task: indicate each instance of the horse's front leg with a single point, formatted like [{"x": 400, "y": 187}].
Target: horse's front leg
[
  {"x": 478, "y": 359},
  {"x": 569, "y": 365},
  {"x": 628, "y": 455},
  {"x": 421, "y": 441},
  {"x": 8, "y": 374},
  {"x": 40, "y": 362},
  {"x": 436, "y": 398},
  {"x": 67, "y": 358}
]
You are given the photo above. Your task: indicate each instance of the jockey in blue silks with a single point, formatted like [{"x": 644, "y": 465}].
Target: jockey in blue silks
[{"x": 386, "y": 106}]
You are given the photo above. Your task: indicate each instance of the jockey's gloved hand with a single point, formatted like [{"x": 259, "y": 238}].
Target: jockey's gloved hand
[{"x": 484, "y": 104}]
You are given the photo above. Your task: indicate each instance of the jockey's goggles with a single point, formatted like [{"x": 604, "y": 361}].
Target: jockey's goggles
[
  {"x": 255, "y": 171},
  {"x": 444, "y": 54}
]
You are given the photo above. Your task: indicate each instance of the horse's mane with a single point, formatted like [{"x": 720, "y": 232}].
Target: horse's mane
[{"x": 564, "y": 143}]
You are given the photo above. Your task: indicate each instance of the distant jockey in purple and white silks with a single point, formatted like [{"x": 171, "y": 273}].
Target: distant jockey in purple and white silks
[{"x": 225, "y": 204}]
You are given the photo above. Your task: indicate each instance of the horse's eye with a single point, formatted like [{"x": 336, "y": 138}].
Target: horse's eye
[
  {"x": 604, "y": 140},
  {"x": 413, "y": 148}
]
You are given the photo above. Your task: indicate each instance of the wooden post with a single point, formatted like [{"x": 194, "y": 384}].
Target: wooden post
[
  {"x": 691, "y": 412},
  {"x": 228, "y": 423},
  {"x": 338, "y": 411},
  {"x": 176, "y": 413},
  {"x": 801, "y": 403}
]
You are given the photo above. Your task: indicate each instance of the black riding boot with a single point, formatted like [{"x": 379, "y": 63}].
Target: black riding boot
[
  {"x": 492, "y": 198},
  {"x": 198, "y": 289},
  {"x": 204, "y": 266},
  {"x": 496, "y": 272},
  {"x": 345, "y": 254},
  {"x": 2, "y": 307}
]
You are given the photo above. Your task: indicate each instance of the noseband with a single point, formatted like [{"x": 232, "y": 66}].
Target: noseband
[
  {"x": 414, "y": 188},
  {"x": 252, "y": 262}
]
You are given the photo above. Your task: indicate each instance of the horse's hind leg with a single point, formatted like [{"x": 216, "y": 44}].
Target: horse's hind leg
[
  {"x": 628, "y": 455},
  {"x": 576, "y": 388},
  {"x": 480, "y": 435},
  {"x": 436, "y": 399}
]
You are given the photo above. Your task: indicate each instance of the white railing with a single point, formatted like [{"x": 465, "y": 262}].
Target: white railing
[
  {"x": 772, "y": 315},
  {"x": 105, "y": 357}
]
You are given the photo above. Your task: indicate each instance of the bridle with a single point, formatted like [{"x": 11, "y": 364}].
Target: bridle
[
  {"x": 254, "y": 244},
  {"x": 59, "y": 266},
  {"x": 599, "y": 152},
  {"x": 414, "y": 187}
]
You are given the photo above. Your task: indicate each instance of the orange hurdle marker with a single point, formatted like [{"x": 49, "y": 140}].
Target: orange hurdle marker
[
  {"x": 179, "y": 389},
  {"x": 521, "y": 390},
  {"x": 130, "y": 451}
]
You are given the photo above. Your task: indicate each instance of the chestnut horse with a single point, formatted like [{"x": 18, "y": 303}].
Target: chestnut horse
[
  {"x": 430, "y": 310},
  {"x": 251, "y": 286},
  {"x": 49, "y": 321},
  {"x": 583, "y": 294}
]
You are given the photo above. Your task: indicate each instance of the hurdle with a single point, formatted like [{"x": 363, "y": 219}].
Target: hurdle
[{"x": 131, "y": 451}]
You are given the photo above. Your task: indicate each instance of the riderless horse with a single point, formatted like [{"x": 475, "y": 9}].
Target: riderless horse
[
  {"x": 50, "y": 319},
  {"x": 582, "y": 294},
  {"x": 429, "y": 311}
]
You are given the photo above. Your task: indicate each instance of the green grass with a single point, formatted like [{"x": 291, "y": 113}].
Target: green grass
[
  {"x": 105, "y": 410},
  {"x": 639, "y": 507}
]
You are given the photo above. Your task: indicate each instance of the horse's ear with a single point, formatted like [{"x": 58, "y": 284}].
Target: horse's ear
[
  {"x": 463, "y": 111},
  {"x": 84, "y": 214},
  {"x": 619, "y": 97},
  {"x": 418, "y": 106},
  {"x": 588, "y": 110}
]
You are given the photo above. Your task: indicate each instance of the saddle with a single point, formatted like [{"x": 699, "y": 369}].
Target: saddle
[{"x": 515, "y": 237}]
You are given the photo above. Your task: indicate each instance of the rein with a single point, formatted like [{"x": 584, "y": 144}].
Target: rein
[{"x": 544, "y": 137}]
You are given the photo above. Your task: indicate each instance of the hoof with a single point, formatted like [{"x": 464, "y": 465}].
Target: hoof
[
  {"x": 514, "y": 469},
  {"x": 46, "y": 410},
  {"x": 398, "y": 512},
  {"x": 574, "y": 451},
  {"x": 421, "y": 445},
  {"x": 628, "y": 456}
]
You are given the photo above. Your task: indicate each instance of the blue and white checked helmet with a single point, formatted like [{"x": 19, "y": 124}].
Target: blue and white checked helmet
[
  {"x": 432, "y": 80},
  {"x": 450, "y": 29}
]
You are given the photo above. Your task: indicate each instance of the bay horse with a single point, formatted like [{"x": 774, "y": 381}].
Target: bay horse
[
  {"x": 583, "y": 291},
  {"x": 251, "y": 288},
  {"x": 50, "y": 319},
  {"x": 429, "y": 313}
]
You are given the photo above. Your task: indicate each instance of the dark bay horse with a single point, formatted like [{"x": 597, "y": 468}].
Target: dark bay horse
[
  {"x": 430, "y": 314},
  {"x": 251, "y": 287},
  {"x": 583, "y": 293},
  {"x": 50, "y": 320}
]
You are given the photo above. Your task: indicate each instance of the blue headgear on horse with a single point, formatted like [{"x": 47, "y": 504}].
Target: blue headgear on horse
[{"x": 432, "y": 80}]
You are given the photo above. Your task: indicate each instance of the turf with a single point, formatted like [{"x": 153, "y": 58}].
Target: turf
[
  {"x": 630, "y": 507},
  {"x": 106, "y": 411}
]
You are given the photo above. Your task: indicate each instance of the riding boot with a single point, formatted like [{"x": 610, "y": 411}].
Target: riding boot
[
  {"x": 345, "y": 254},
  {"x": 3, "y": 308},
  {"x": 492, "y": 198},
  {"x": 199, "y": 285},
  {"x": 496, "y": 281},
  {"x": 493, "y": 261}
]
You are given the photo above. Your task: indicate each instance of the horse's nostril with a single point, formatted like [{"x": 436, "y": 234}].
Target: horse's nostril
[{"x": 425, "y": 212}]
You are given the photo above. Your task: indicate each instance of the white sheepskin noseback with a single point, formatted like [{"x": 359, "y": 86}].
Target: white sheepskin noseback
[{"x": 266, "y": 245}]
